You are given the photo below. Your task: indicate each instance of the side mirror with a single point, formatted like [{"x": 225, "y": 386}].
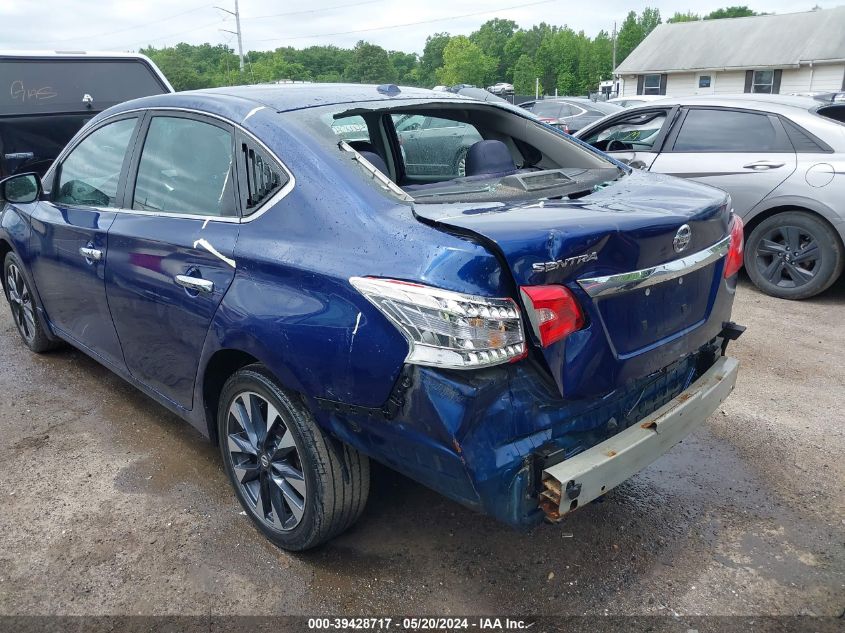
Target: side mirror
[{"x": 20, "y": 188}]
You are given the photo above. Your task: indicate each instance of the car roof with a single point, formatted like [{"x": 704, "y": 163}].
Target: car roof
[
  {"x": 771, "y": 103},
  {"x": 286, "y": 97},
  {"x": 238, "y": 103}
]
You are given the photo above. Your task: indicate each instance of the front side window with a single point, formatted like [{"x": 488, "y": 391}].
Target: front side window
[
  {"x": 634, "y": 133},
  {"x": 763, "y": 81},
  {"x": 651, "y": 85},
  {"x": 727, "y": 131},
  {"x": 90, "y": 175},
  {"x": 186, "y": 168},
  {"x": 435, "y": 122}
]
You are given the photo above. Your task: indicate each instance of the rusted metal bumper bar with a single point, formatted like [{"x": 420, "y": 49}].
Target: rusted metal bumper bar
[{"x": 580, "y": 479}]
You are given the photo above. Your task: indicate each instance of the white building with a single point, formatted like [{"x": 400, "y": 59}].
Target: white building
[{"x": 789, "y": 53}]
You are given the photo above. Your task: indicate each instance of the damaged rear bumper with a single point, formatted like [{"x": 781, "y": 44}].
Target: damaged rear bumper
[{"x": 578, "y": 480}]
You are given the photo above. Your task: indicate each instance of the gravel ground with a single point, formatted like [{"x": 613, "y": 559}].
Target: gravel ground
[{"x": 111, "y": 505}]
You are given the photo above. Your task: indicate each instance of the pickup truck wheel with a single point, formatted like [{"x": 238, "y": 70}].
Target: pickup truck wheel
[
  {"x": 22, "y": 303},
  {"x": 298, "y": 486},
  {"x": 793, "y": 255}
]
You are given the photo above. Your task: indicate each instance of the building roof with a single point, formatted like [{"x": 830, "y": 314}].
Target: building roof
[{"x": 763, "y": 41}]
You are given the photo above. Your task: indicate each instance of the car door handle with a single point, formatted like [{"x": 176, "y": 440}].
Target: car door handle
[
  {"x": 195, "y": 283},
  {"x": 91, "y": 254},
  {"x": 761, "y": 165}
]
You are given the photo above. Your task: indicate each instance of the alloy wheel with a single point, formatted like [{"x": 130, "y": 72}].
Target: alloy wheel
[
  {"x": 266, "y": 461},
  {"x": 788, "y": 256},
  {"x": 23, "y": 310}
]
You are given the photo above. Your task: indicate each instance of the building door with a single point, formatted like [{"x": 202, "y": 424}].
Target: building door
[{"x": 705, "y": 84}]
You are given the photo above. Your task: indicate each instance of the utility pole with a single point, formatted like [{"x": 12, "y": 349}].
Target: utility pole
[
  {"x": 613, "y": 74},
  {"x": 614, "y": 47},
  {"x": 237, "y": 15}
]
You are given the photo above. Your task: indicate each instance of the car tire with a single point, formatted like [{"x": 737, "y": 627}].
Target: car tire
[
  {"x": 793, "y": 255},
  {"x": 25, "y": 314},
  {"x": 299, "y": 486}
]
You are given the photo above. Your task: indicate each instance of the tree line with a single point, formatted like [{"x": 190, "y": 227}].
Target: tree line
[{"x": 564, "y": 60}]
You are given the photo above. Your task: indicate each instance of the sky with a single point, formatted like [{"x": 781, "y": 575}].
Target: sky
[{"x": 266, "y": 25}]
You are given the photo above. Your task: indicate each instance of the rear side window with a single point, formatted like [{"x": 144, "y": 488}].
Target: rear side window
[
  {"x": 262, "y": 176},
  {"x": 727, "y": 131},
  {"x": 50, "y": 86},
  {"x": 186, "y": 168},
  {"x": 802, "y": 140},
  {"x": 351, "y": 128},
  {"x": 90, "y": 174}
]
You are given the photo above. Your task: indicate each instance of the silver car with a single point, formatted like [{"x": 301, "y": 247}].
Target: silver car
[{"x": 781, "y": 158}]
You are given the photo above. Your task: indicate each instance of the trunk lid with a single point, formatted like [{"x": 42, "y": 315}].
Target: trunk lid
[{"x": 622, "y": 228}]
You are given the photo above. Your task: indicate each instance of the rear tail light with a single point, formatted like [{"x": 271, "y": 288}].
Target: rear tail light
[
  {"x": 733, "y": 261},
  {"x": 448, "y": 329},
  {"x": 553, "y": 311}
]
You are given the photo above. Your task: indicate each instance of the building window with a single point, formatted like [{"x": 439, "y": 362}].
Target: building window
[
  {"x": 651, "y": 85},
  {"x": 704, "y": 81},
  {"x": 763, "y": 81}
]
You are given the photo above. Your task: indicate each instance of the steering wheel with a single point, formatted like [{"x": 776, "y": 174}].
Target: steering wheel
[{"x": 615, "y": 145}]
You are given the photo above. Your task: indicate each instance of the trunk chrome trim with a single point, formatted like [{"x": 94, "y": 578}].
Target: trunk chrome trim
[{"x": 636, "y": 279}]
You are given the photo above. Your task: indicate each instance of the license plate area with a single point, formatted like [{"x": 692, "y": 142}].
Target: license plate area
[{"x": 640, "y": 319}]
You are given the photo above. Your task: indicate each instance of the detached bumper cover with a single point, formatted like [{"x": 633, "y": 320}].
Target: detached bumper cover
[{"x": 578, "y": 480}]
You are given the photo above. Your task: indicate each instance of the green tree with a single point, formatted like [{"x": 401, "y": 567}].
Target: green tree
[
  {"x": 370, "y": 64},
  {"x": 432, "y": 58},
  {"x": 567, "y": 84},
  {"x": 689, "y": 16},
  {"x": 649, "y": 19},
  {"x": 730, "y": 12},
  {"x": 491, "y": 38},
  {"x": 404, "y": 67},
  {"x": 524, "y": 75},
  {"x": 634, "y": 30},
  {"x": 464, "y": 63},
  {"x": 629, "y": 37}
]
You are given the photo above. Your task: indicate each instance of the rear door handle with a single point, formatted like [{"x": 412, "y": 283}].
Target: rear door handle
[
  {"x": 195, "y": 283},
  {"x": 762, "y": 165},
  {"x": 91, "y": 254}
]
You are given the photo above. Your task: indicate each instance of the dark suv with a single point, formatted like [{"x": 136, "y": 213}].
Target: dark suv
[{"x": 46, "y": 97}]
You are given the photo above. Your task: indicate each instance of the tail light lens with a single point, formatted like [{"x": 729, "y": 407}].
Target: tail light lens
[
  {"x": 733, "y": 261},
  {"x": 448, "y": 329},
  {"x": 553, "y": 311}
]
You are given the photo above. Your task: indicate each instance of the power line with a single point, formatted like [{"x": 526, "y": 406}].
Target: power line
[
  {"x": 399, "y": 26},
  {"x": 128, "y": 28},
  {"x": 169, "y": 35},
  {"x": 308, "y": 11}
]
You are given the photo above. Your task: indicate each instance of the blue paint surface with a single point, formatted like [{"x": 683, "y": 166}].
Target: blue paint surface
[{"x": 472, "y": 435}]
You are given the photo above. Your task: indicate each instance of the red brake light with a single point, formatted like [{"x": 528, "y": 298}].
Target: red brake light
[
  {"x": 733, "y": 262},
  {"x": 553, "y": 311}
]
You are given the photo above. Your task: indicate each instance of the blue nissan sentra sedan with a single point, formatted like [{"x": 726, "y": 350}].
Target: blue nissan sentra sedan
[{"x": 521, "y": 326}]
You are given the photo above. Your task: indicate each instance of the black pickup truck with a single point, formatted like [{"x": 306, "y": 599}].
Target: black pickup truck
[{"x": 47, "y": 96}]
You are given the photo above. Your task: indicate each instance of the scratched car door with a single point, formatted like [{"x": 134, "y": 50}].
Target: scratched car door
[{"x": 171, "y": 251}]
